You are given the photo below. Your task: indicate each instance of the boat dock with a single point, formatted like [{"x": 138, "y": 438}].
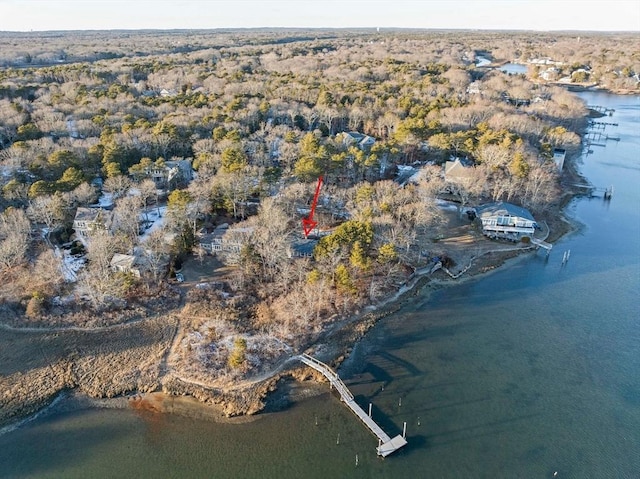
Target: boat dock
[
  {"x": 602, "y": 124},
  {"x": 542, "y": 244},
  {"x": 601, "y": 109},
  {"x": 386, "y": 445},
  {"x": 604, "y": 191},
  {"x": 596, "y": 135}
]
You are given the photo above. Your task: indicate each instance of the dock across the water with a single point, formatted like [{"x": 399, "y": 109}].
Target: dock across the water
[{"x": 386, "y": 445}]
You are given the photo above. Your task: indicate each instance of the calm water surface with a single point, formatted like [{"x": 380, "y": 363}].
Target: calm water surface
[{"x": 531, "y": 370}]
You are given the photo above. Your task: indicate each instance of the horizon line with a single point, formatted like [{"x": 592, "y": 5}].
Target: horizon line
[{"x": 374, "y": 29}]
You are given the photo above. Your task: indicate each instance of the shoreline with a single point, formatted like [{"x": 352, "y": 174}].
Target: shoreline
[
  {"x": 171, "y": 394},
  {"x": 245, "y": 404},
  {"x": 213, "y": 405},
  {"x": 187, "y": 404}
]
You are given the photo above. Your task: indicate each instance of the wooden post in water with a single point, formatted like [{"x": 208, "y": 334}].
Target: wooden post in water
[
  {"x": 386, "y": 445},
  {"x": 404, "y": 430},
  {"x": 608, "y": 193},
  {"x": 369, "y": 409}
]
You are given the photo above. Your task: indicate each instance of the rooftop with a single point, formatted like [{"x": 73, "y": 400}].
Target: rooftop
[{"x": 502, "y": 208}]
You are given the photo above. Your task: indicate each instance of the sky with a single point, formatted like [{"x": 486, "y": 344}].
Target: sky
[{"x": 544, "y": 15}]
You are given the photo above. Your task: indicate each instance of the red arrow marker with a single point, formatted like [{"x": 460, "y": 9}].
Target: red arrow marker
[{"x": 308, "y": 223}]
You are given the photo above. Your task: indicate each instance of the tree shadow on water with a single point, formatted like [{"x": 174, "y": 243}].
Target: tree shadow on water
[
  {"x": 428, "y": 333},
  {"x": 381, "y": 375},
  {"x": 404, "y": 364},
  {"x": 488, "y": 429}
]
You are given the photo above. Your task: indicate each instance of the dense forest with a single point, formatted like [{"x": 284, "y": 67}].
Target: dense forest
[{"x": 114, "y": 118}]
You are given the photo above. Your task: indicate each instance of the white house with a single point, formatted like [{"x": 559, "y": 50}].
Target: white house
[
  {"x": 168, "y": 93},
  {"x": 549, "y": 74},
  {"x": 473, "y": 88},
  {"x": 171, "y": 173},
  {"x": 558, "y": 157},
  {"x": 544, "y": 61},
  {"x": 505, "y": 220}
]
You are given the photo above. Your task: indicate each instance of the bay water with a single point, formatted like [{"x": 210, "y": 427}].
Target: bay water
[{"x": 529, "y": 372}]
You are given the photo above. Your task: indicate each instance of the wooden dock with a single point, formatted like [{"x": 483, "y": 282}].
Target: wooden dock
[
  {"x": 386, "y": 445},
  {"x": 604, "y": 191},
  {"x": 602, "y": 124},
  {"x": 542, "y": 244},
  {"x": 601, "y": 109}
]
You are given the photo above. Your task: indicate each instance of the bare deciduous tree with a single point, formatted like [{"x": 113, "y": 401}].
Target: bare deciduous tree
[
  {"x": 84, "y": 194},
  {"x": 270, "y": 237},
  {"x": 47, "y": 273},
  {"x": 126, "y": 218},
  {"x": 96, "y": 281},
  {"x": 14, "y": 237},
  {"x": 155, "y": 254},
  {"x": 148, "y": 191},
  {"x": 48, "y": 210},
  {"x": 117, "y": 185}
]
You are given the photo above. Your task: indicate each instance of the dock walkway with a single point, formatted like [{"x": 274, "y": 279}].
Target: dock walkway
[
  {"x": 386, "y": 445},
  {"x": 542, "y": 244}
]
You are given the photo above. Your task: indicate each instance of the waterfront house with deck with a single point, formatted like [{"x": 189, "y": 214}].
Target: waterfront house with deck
[{"x": 506, "y": 221}]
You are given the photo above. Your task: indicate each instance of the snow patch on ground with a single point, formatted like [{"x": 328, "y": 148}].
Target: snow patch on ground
[
  {"x": 447, "y": 205},
  {"x": 415, "y": 178},
  {"x": 69, "y": 264},
  {"x": 105, "y": 200},
  {"x": 157, "y": 217}
]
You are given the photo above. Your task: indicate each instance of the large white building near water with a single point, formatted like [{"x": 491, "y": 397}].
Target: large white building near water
[{"x": 506, "y": 221}]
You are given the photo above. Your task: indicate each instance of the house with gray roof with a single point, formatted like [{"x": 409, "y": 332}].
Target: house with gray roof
[
  {"x": 505, "y": 221},
  {"x": 226, "y": 242},
  {"x": 459, "y": 171},
  {"x": 301, "y": 248},
  {"x": 171, "y": 173},
  {"x": 88, "y": 220},
  {"x": 362, "y": 141},
  {"x": 125, "y": 263}
]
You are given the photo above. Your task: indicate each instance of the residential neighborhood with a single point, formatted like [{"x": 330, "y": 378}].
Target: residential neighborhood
[{"x": 184, "y": 214}]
